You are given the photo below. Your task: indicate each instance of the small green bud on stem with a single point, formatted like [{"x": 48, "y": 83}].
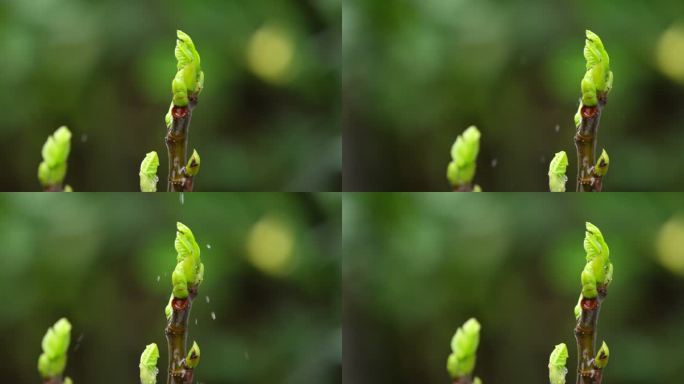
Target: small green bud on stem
[
  {"x": 52, "y": 361},
  {"x": 557, "y": 169},
  {"x": 148, "y": 364},
  {"x": 557, "y": 361},
  {"x": 464, "y": 151},
  {"x": 53, "y": 168},
  {"x": 461, "y": 361},
  {"x": 148, "y": 172}
]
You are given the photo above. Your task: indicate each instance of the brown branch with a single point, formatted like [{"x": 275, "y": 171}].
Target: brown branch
[
  {"x": 585, "y": 143},
  {"x": 53, "y": 380},
  {"x": 177, "y": 146},
  {"x": 585, "y": 335},
  {"x": 463, "y": 380},
  {"x": 177, "y": 338}
]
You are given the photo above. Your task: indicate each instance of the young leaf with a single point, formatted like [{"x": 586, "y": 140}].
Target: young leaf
[
  {"x": 189, "y": 78},
  {"x": 189, "y": 269},
  {"x": 148, "y": 364},
  {"x": 461, "y": 169},
  {"x": 461, "y": 361},
  {"x": 52, "y": 169},
  {"x": 598, "y": 77},
  {"x": 52, "y": 361},
  {"x": 602, "y": 164},
  {"x": 557, "y": 361},
  {"x": 557, "y": 168},
  {"x": 148, "y": 172}
]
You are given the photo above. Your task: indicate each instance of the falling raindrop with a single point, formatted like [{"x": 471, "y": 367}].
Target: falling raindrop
[
  {"x": 84, "y": 138},
  {"x": 78, "y": 342},
  {"x": 182, "y": 198},
  {"x": 246, "y": 355},
  {"x": 557, "y": 128},
  {"x": 213, "y": 315},
  {"x": 495, "y": 161},
  {"x": 158, "y": 278},
  {"x": 207, "y": 297},
  {"x": 195, "y": 321},
  {"x": 208, "y": 246}
]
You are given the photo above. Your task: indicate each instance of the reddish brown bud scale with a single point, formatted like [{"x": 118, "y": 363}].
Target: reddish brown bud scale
[
  {"x": 179, "y": 304},
  {"x": 179, "y": 112},
  {"x": 589, "y": 304},
  {"x": 588, "y": 112}
]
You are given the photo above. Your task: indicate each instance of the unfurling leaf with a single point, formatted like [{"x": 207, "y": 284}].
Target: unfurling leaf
[
  {"x": 52, "y": 169},
  {"x": 461, "y": 361},
  {"x": 557, "y": 361},
  {"x": 602, "y": 164},
  {"x": 189, "y": 269},
  {"x": 193, "y": 166},
  {"x": 189, "y": 78},
  {"x": 461, "y": 169},
  {"x": 148, "y": 364},
  {"x": 602, "y": 356},
  {"x": 52, "y": 361},
  {"x": 148, "y": 172},
  {"x": 557, "y": 169},
  {"x": 598, "y": 78},
  {"x": 193, "y": 358}
]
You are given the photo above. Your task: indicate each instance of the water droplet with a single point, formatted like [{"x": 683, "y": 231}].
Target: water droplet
[
  {"x": 208, "y": 246},
  {"x": 207, "y": 297},
  {"x": 182, "y": 198},
  {"x": 495, "y": 161},
  {"x": 158, "y": 278},
  {"x": 78, "y": 342},
  {"x": 195, "y": 321},
  {"x": 246, "y": 355},
  {"x": 213, "y": 315},
  {"x": 557, "y": 128},
  {"x": 84, "y": 138}
]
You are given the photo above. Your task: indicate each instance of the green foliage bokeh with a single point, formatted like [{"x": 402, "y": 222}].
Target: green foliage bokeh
[
  {"x": 105, "y": 68},
  {"x": 104, "y": 261},
  {"x": 416, "y": 266}
]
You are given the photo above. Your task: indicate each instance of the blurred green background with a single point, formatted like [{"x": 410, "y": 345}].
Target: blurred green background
[
  {"x": 416, "y": 266},
  {"x": 417, "y": 73},
  {"x": 272, "y": 282},
  {"x": 268, "y": 117}
]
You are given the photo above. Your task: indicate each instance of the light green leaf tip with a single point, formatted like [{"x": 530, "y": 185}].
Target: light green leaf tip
[
  {"x": 598, "y": 77},
  {"x": 68, "y": 381},
  {"x": 602, "y": 164},
  {"x": 461, "y": 169},
  {"x": 52, "y": 361},
  {"x": 602, "y": 356},
  {"x": 557, "y": 169},
  {"x": 193, "y": 166},
  {"x": 599, "y": 269},
  {"x": 52, "y": 169},
  {"x": 148, "y": 364},
  {"x": 189, "y": 270},
  {"x": 557, "y": 361},
  {"x": 168, "y": 310},
  {"x": 189, "y": 78},
  {"x": 461, "y": 361},
  {"x": 477, "y": 380},
  {"x": 193, "y": 358},
  {"x": 148, "y": 172}
]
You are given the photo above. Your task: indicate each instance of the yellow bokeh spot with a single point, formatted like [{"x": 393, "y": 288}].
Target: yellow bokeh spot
[
  {"x": 270, "y": 245},
  {"x": 670, "y": 53},
  {"x": 670, "y": 245},
  {"x": 270, "y": 53}
]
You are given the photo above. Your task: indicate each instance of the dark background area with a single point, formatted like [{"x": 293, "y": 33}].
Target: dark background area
[
  {"x": 272, "y": 281},
  {"x": 268, "y": 117},
  {"x": 418, "y": 73},
  {"x": 416, "y": 266}
]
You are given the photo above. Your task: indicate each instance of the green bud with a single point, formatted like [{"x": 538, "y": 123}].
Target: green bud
[
  {"x": 461, "y": 169},
  {"x": 148, "y": 364},
  {"x": 193, "y": 166},
  {"x": 477, "y": 188},
  {"x": 189, "y": 269},
  {"x": 52, "y": 361},
  {"x": 477, "y": 381},
  {"x": 602, "y": 164},
  {"x": 189, "y": 78},
  {"x": 193, "y": 358},
  {"x": 52, "y": 169},
  {"x": 148, "y": 172},
  {"x": 578, "y": 308},
  {"x": 67, "y": 188},
  {"x": 557, "y": 168},
  {"x": 602, "y": 356},
  {"x": 68, "y": 381},
  {"x": 461, "y": 361},
  {"x": 168, "y": 119},
  {"x": 598, "y": 77},
  {"x": 557, "y": 360},
  {"x": 578, "y": 116},
  {"x": 588, "y": 282}
]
